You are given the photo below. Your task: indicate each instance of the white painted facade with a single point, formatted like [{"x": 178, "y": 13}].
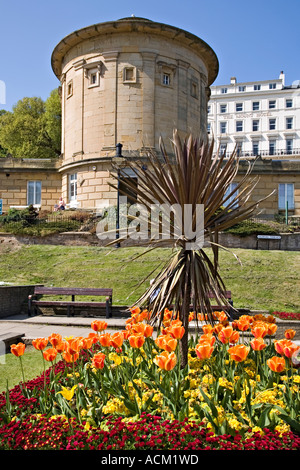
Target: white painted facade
[{"x": 260, "y": 118}]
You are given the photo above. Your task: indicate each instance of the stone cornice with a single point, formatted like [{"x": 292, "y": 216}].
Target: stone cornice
[{"x": 139, "y": 25}]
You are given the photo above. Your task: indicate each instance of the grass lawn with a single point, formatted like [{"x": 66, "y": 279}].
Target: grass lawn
[
  {"x": 267, "y": 280},
  {"x": 10, "y": 367}
]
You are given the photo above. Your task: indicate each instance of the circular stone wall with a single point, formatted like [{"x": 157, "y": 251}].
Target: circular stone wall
[{"x": 130, "y": 81}]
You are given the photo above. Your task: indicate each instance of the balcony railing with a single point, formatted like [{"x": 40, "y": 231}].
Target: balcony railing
[{"x": 275, "y": 154}]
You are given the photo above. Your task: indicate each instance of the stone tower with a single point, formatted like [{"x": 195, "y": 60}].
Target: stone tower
[{"x": 128, "y": 81}]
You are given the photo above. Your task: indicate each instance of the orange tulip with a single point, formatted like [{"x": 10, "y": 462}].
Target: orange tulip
[
  {"x": 258, "y": 344},
  {"x": 55, "y": 339},
  {"x": 87, "y": 343},
  {"x": 289, "y": 333},
  {"x": 94, "y": 337},
  {"x": 40, "y": 343},
  {"x": 126, "y": 333},
  {"x": 166, "y": 342},
  {"x": 165, "y": 360},
  {"x": 136, "y": 341},
  {"x": 242, "y": 325},
  {"x": 98, "y": 360},
  {"x": 239, "y": 352},
  {"x": 117, "y": 340},
  {"x": 192, "y": 316},
  {"x": 259, "y": 331},
  {"x": 207, "y": 338},
  {"x": 285, "y": 347},
  {"x": 135, "y": 310},
  {"x": 50, "y": 354},
  {"x": 272, "y": 328},
  {"x": 138, "y": 328},
  {"x": 218, "y": 327},
  {"x": 204, "y": 350},
  {"x": 177, "y": 331},
  {"x": 70, "y": 357},
  {"x": 60, "y": 347},
  {"x": 207, "y": 329},
  {"x": 105, "y": 339},
  {"x": 98, "y": 325},
  {"x": 228, "y": 335},
  {"x": 73, "y": 345},
  {"x": 17, "y": 349},
  {"x": 276, "y": 364},
  {"x": 148, "y": 331},
  {"x": 223, "y": 317}
]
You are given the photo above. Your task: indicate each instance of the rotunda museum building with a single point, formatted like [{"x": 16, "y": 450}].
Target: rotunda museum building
[{"x": 129, "y": 81}]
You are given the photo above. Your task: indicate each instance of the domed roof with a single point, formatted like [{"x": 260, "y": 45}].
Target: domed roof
[{"x": 142, "y": 25}]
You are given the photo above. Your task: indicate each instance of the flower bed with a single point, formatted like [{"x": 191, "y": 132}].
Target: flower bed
[
  {"x": 287, "y": 315},
  {"x": 127, "y": 390}
]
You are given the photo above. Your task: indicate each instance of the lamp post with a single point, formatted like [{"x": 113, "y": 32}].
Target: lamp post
[{"x": 118, "y": 159}]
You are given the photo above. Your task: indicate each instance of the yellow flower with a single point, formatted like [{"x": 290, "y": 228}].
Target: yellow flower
[
  {"x": 234, "y": 424},
  {"x": 282, "y": 428},
  {"x": 116, "y": 358},
  {"x": 257, "y": 429},
  {"x": 87, "y": 426},
  {"x": 68, "y": 394}
]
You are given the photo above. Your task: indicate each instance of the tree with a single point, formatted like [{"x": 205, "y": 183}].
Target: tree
[
  {"x": 3, "y": 151},
  {"x": 32, "y": 129},
  {"x": 195, "y": 177}
]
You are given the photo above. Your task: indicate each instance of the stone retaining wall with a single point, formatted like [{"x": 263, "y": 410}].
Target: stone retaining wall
[
  {"x": 288, "y": 241},
  {"x": 14, "y": 299}
]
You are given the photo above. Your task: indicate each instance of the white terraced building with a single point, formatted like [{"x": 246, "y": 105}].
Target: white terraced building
[{"x": 259, "y": 118}]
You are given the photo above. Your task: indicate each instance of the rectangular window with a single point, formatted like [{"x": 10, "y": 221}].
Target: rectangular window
[
  {"x": 223, "y": 148},
  {"x": 223, "y": 127},
  {"x": 129, "y": 75},
  {"x": 232, "y": 192},
  {"x": 289, "y": 123},
  {"x": 239, "y": 126},
  {"x": 289, "y": 146},
  {"x": 255, "y": 148},
  {"x": 255, "y": 106},
  {"x": 289, "y": 103},
  {"x": 239, "y": 107},
  {"x": 223, "y": 108},
  {"x": 73, "y": 187},
  {"x": 272, "y": 86},
  {"x": 272, "y": 147},
  {"x": 256, "y": 87},
  {"x": 272, "y": 104},
  {"x": 272, "y": 124},
  {"x": 255, "y": 125},
  {"x": 34, "y": 192},
  {"x": 209, "y": 109},
  {"x": 166, "y": 79},
  {"x": 286, "y": 196},
  {"x": 242, "y": 88},
  {"x": 223, "y": 90},
  {"x": 93, "y": 77},
  {"x": 208, "y": 127},
  {"x": 69, "y": 89}
]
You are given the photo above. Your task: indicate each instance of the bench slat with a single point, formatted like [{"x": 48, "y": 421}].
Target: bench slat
[
  {"x": 71, "y": 291},
  {"x": 58, "y": 303}
]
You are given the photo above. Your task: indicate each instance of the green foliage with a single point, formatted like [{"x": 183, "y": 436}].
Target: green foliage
[
  {"x": 247, "y": 227},
  {"x": 32, "y": 129},
  {"x": 25, "y": 216}
]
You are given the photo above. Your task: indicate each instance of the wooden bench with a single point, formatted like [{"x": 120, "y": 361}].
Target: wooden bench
[
  {"x": 35, "y": 300},
  {"x": 218, "y": 308},
  {"x": 8, "y": 339},
  {"x": 225, "y": 308}
]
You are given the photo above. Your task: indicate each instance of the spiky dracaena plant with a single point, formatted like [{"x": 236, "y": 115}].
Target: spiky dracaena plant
[{"x": 193, "y": 177}]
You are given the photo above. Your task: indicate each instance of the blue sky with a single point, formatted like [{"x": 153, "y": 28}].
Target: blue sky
[{"x": 254, "y": 40}]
